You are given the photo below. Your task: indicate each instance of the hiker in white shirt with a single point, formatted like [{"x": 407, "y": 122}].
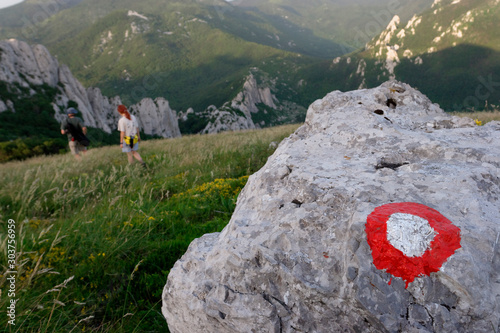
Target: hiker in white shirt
[{"x": 129, "y": 135}]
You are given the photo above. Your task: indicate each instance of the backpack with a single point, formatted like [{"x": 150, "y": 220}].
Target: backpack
[{"x": 78, "y": 135}]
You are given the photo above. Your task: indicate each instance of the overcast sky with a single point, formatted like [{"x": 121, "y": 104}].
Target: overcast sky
[{"x": 7, "y": 3}]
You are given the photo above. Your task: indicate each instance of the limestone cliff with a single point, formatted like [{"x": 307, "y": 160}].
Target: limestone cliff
[
  {"x": 255, "y": 100},
  {"x": 156, "y": 117},
  {"x": 28, "y": 66}
]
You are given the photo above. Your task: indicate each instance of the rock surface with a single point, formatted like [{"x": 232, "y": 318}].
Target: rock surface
[
  {"x": 254, "y": 98},
  {"x": 237, "y": 114},
  {"x": 156, "y": 117},
  {"x": 226, "y": 119},
  {"x": 295, "y": 255},
  {"x": 29, "y": 66}
]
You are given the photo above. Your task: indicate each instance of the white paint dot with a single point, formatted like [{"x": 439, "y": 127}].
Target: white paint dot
[{"x": 410, "y": 234}]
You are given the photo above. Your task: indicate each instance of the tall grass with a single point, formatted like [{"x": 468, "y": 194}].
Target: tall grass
[
  {"x": 96, "y": 239},
  {"x": 482, "y": 116}
]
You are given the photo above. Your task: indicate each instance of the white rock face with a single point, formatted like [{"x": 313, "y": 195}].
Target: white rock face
[
  {"x": 156, "y": 118},
  {"x": 34, "y": 65},
  {"x": 247, "y": 100},
  {"x": 3, "y": 106},
  {"x": 226, "y": 120},
  {"x": 18, "y": 63},
  {"x": 295, "y": 256},
  {"x": 246, "y": 103},
  {"x": 47, "y": 64},
  {"x": 104, "y": 108}
]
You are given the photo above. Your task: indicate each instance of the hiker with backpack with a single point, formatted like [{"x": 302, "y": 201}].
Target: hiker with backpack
[
  {"x": 129, "y": 135},
  {"x": 74, "y": 127}
]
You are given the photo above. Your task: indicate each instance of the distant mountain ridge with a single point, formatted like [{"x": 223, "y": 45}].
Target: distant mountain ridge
[
  {"x": 202, "y": 56},
  {"x": 194, "y": 53},
  {"x": 351, "y": 23},
  {"x": 451, "y": 52}
]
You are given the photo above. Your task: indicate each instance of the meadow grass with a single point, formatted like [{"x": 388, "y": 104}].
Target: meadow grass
[
  {"x": 482, "y": 116},
  {"x": 96, "y": 239}
]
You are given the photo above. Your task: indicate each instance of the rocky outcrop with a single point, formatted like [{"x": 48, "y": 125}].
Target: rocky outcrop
[
  {"x": 4, "y": 106},
  {"x": 73, "y": 90},
  {"x": 237, "y": 114},
  {"x": 226, "y": 119},
  {"x": 30, "y": 66},
  {"x": 379, "y": 214},
  {"x": 104, "y": 107},
  {"x": 254, "y": 98},
  {"x": 251, "y": 96},
  {"x": 156, "y": 117},
  {"x": 22, "y": 64}
]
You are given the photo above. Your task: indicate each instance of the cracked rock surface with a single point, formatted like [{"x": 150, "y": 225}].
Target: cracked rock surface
[{"x": 295, "y": 257}]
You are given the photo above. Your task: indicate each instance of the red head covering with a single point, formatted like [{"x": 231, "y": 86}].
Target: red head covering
[{"x": 122, "y": 109}]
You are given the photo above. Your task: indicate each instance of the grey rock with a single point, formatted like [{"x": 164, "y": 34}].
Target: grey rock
[
  {"x": 156, "y": 117},
  {"x": 184, "y": 115},
  {"x": 104, "y": 109},
  {"x": 47, "y": 65},
  {"x": 20, "y": 63},
  {"x": 3, "y": 106},
  {"x": 74, "y": 90},
  {"x": 295, "y": 257},
  {"x": 251, "y": 95},
  {"x": 226, "y": 119},
  {"x": 237, "y": 114}
]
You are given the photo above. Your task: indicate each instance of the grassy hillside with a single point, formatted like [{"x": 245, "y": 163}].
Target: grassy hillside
[
  {"x": 191, "y": 65},
  {"x": 351, "y": 23},
  {"x": 464, "y": 77},
  {"x": 448, "y": 24},
  {"x": 96, "y": 239},
  {"x": 195, "y": 53},
  {"x": 183, "y": 51},
  {"x": 21, "y": 20}
]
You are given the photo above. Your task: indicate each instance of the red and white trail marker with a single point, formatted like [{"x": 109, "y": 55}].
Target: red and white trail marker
[{"x": 409, "y": 239}]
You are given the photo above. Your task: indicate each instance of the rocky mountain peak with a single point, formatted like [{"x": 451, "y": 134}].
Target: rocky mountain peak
[
  {"x": 25, "y": 65},
  {"x": 254, "y": 98}
]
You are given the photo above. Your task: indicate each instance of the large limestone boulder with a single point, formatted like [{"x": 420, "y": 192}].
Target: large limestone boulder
[{"x": 380, "y": 214}]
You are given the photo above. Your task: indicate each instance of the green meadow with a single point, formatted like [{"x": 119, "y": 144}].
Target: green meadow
[{"x": 96, "y": 239}]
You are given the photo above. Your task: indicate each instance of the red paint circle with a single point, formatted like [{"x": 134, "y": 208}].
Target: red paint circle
[{"x": 387, "y": 257}]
